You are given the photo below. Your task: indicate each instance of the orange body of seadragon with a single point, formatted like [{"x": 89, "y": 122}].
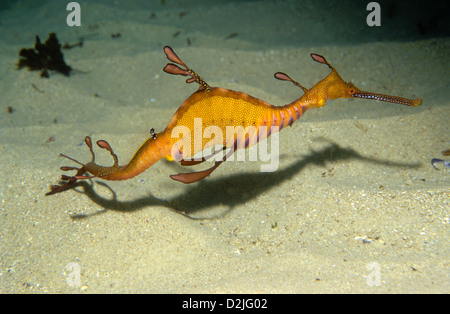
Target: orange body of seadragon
[{"x": 220, "y": 108}]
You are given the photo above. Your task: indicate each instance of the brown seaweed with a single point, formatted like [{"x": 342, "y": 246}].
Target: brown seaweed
[{"x": 44, "y": 57}]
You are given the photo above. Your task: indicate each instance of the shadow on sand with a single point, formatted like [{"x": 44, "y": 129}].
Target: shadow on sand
[{"x": 214, "y": 191}]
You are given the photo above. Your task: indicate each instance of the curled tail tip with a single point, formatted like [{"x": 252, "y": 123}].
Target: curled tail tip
[{"x": 54, "y": 189}]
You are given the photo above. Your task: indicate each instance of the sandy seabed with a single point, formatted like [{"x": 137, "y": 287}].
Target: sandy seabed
[{"x": 355, "y": 205}]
